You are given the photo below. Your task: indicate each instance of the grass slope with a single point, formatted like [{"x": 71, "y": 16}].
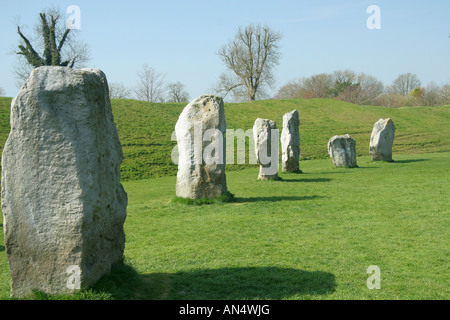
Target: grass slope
[
  {"x": 309, "y": 236},
  {"x": 145, "y": 129}
]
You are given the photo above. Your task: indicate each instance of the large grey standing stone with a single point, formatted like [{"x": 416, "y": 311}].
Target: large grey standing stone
[
  {"x": 342, "y": 150},
  {"x": 265, "y": 135},
  {"x": 382, "y": 139},
  {"x": 290, "y": 142},
  {"x": 200, "y": 132},
  {"x": 62, "y": 201}
]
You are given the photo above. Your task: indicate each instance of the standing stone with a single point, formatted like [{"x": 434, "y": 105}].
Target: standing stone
[
  {"x": 200, "y": 132},
  {"x": 290, "y": 142},
  {"x": 382, "y": 139},
  {"x": 265, "y": 135},
  {"x": 342, "y": 150},
  {"x": 62, "y": 201}
]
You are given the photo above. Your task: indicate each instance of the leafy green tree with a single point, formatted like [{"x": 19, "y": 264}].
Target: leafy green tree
[{"x": 417, "y": 92}]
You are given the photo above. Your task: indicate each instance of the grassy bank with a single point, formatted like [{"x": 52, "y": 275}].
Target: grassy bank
[{"x": 145, "y": 129}]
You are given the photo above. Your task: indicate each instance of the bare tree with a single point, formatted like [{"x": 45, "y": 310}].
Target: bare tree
[
  {"x": 176, "y": 92},
  {"x": 432, "y": 95},
  {"x": 317, "y": 86},
  {"x": 371, "y": 88},
  {"x": 251, "y": 57},
  {"x": 290, "y": 90},
  {"x": 404, "y": 83},
  {"x": 2, "y": 92},
  {"x": 118, "y": 91},
  {"x": 58, "y": 46},
  {"x": 445, "y": 94},
  {"x": 150, "y": 86},
  {"x": 361, "y": 89}
]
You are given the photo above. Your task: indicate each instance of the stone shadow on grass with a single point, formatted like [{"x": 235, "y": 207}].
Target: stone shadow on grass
[
  {"x": 219, "y": 284},
  {"x": 308, "y": 180},
  {"x": 251, "y": 283},
  {"x": 334, "y": 172},
  {"x": 275, "y": 198},
  {"x": 409, "y": 161}
]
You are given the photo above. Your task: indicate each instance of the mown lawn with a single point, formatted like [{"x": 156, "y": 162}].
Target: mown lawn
[{"x": 309, "y": 236}]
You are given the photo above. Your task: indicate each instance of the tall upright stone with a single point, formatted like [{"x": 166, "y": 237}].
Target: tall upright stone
[
  {"x": 382, "y": 139},
  {"x": 290, "y": 142},
  {"x": 62, "y": 201},
  {"x": 265, "y": 135},
  {"x": 342, "y": 150},
  {"x": 200, "y": 132}
]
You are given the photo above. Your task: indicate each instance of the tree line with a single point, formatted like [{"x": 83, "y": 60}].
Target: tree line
[
  {"x": 364, "y": 89},
  {"x": 150, "y": 87}
]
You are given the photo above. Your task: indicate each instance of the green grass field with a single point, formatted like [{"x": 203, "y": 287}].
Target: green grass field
[{"x": 308, "y": 236}]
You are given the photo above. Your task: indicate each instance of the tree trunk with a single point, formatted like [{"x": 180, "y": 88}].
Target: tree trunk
[{"x": 251, "y": 93}]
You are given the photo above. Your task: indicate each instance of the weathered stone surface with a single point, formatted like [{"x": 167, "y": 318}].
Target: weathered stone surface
[
  {"x": 382, "y": 139},
  {"x": 290, "y": 142},
  {"x": 62, "y": 201},
  {"x": 342, "y": 150},
  {"x": 200, "y": 132},
  {"x": 265, "y": 135}
]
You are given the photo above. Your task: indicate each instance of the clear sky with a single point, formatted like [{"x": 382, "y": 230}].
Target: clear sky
[{"x": 181, "y": 37}]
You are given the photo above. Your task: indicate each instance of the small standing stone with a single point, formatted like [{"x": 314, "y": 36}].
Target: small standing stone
[
  {"x": 290, "y": 142},
  {"x": 342, "y": 150},
  {"x": 382, "y": 139},
  {"x": 265, "y": 135}
]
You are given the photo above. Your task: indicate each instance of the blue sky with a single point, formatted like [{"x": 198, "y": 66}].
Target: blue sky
[{"x": 181, "y": 38}]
